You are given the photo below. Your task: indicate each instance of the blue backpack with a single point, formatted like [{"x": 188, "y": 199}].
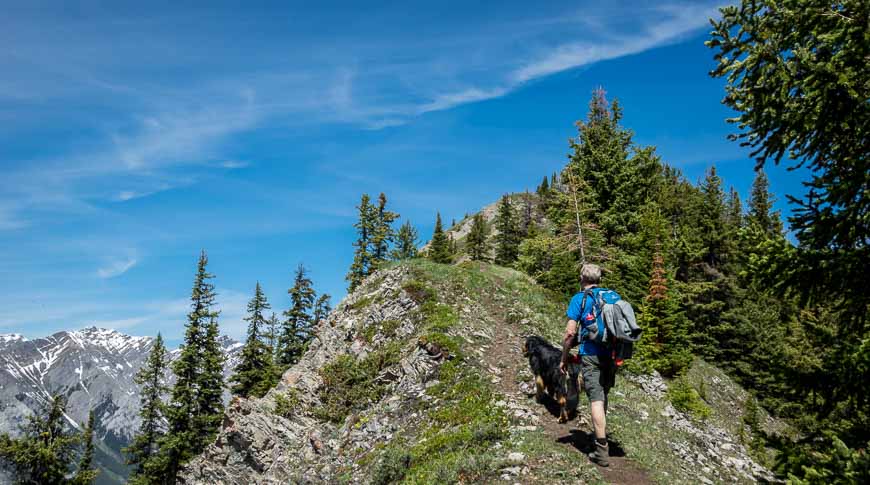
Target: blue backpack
[{"x": 615, "y": 325}]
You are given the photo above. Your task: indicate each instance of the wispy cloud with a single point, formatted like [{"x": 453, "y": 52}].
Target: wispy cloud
[
  {"x": 671, "y": 24},
  {"x": 116, "y": 268},
  {"x": 234, "y": 164}
]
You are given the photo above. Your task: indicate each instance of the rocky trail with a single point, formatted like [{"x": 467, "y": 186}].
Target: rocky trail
[{"x": 576, "y": 435}]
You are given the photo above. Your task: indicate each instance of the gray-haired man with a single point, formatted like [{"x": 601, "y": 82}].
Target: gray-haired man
[{"x": 596, "y": 361}]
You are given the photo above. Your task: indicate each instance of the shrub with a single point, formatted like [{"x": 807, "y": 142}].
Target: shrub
[
  {"x": 685, "y": 398},
  {"x": 285, "y": 403},
  {"x": 349, "y": 384},
  {"x": 392, "y": 466}
]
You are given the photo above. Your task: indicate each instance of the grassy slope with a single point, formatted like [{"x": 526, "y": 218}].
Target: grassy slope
[{"x": 464, "y": 432}]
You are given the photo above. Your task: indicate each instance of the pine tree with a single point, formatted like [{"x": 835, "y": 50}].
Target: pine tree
[
  {"x": 475, "y": 243},
  {"x": 665, "y": 342},
  {"x": 254, "y": 375},
  {"x": 383, "y": 233},
  {"x": 439, "y": 248},
  {"x": 619, "y": 177},
  {"x": 44, "y": 451},
  {"x": 406, "y": 242},
  {"x": 544, "y": 195},
  {"x": 544, "y": 187},
  {"x": 272, "y": 336},
  {"x": 322, "y": 308},
  {"x": 210, "y": 386},
  {"x": 735, "y": 210},
  {"x": 761, "y": 211},
  {"x": 362, "y": 258},
  {"x": 712, "y": 223},
  {"x": 298, "y": 323},
  {"x": 526, "y": 225},
  {"x": 152, "y": 411},
  {"x": 86, "y": 473},
  {"x": 508, "y": 238},
  {"x": 187, "y": 427}
]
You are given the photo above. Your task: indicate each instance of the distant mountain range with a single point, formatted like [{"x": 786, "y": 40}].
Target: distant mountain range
[{"x": 94, "y": 369}]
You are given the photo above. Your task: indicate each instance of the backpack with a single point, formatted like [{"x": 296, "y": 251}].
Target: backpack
[{"x": 615, "y": 325}]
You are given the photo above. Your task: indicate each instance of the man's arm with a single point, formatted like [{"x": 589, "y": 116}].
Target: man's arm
[{"x": 568, "y": 342}]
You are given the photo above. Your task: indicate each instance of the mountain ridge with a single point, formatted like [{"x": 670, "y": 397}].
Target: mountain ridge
[{"x": 93, "y": 368}]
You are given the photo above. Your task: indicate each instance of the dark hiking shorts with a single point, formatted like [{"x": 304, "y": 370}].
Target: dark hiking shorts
[{"x": 599, "y": 375}]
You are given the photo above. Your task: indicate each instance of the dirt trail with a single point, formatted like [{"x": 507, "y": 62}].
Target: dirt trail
[{"x": 506, "y": 354}]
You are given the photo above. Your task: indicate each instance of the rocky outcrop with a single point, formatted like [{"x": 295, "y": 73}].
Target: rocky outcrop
[{"x": 256, "y": 445}]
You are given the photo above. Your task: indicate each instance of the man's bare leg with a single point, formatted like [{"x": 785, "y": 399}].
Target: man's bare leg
[
  {"x": 599, "y": 424},
  {"x": 599, "y": 419}
]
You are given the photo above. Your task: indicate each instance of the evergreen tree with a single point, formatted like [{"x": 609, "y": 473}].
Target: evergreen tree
[
  {"x": 44, "y": 451},
  {"x": 452, "y": 246},
  {"x": 362, "y": 258},
  {"x": 151, "y": 411},
  {"x": 790, "y": 70},
  {"x": 735, "y": 210},
  {"x": 439, "y": 248},
  {"x": 526, "y": 224},
  {"x": 475, "y": 243},
  {"x": 761, "y": 211},
  {"x": 322, "y": 308},
  {"x": 544, "y": 194},
  {"x": 383, "y": 233},
  {"x": 187, "y": 428},
  {"x": 86, "y": 473},
  {"x": 544, "y": 187},
  {"x": 406, "y": 242},
  {"x": 272, "y": 336},
  {"x": 665, "y": 342},
  {"x": 712, "y": 223},
  {"x": 298, "y": 324},
  {"x": 619, "y": 182},
  {"x": 210, "y": 386},
  {"x": 508, "y": 238},
  {"x": 254, "y": 375}
]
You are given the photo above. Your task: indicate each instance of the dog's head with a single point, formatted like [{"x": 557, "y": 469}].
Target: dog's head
[{"x": 532, "y": 342}]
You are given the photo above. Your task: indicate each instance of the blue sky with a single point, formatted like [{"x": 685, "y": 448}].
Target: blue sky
[{"x": 135, "y": 135}]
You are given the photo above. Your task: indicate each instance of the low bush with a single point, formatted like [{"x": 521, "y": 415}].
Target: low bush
[
  {"x": 686, "y": 398},
  {"x": 349, "y": 384},
  {"x": 286, "y": 403}
]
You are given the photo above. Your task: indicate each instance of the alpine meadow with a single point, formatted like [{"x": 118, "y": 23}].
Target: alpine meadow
[{"x": 676, "y": 294}]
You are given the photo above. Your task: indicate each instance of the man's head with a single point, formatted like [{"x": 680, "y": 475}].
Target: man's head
[{"x": 590, "y": 274}]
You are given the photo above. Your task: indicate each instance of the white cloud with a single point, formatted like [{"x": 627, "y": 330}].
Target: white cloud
[
  {"x": 677, "y": 22},
  {"x": 116, "y": 268},
  {"x": 471, "y": 95},
  {"x": 234, "y": 164}
]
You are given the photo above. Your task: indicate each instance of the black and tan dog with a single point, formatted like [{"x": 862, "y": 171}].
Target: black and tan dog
[{"x": 563, "y": 389}]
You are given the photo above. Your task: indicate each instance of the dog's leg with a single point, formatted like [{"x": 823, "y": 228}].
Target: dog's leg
[
  {"x": 539, "y": 388},
  {"x": 563, "y": 416}
]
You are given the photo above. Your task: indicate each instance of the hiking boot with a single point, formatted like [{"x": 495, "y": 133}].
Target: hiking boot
[{"x": 600, "y": 455}]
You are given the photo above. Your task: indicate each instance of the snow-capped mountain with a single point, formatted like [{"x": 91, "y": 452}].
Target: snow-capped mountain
[{"x": 94, "y": 369}]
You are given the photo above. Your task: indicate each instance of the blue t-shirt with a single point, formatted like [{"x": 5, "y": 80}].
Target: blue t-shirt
[{"x": 584, "y": 318}]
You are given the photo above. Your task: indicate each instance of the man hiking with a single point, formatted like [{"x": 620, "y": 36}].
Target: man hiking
[{"x": 596, "y": 362}]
